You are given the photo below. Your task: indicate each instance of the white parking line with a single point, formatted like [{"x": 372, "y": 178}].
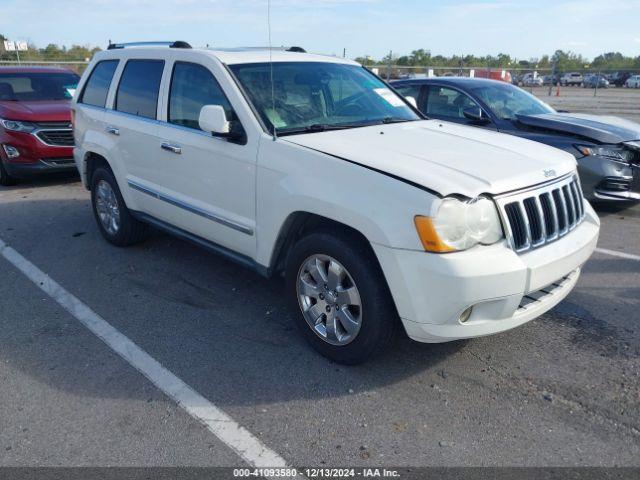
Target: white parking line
[
  {"x": 239, "y": 439},
  {"x": 614, "y": 253}
]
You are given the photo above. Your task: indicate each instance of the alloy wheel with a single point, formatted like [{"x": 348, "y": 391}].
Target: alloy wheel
[
  {"x": 329, "y": 299},
  {"x": 107, "y": 207}
]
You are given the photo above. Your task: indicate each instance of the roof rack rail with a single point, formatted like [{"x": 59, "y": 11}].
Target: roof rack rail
[
  {"x": 254, "y": 48},
  {"x": 171, "y": 44}
]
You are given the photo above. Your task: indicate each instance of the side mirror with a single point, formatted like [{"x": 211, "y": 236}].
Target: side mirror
[
  {"x": 412, "y": 101},
  {"x": 476, "y": 114},
  {"x": 213, "y": 119}
]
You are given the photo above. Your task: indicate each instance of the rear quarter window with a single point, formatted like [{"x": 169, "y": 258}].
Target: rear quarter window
[
  {"x": 97, "y": 87},
  {"x": 139, "y": 88}
]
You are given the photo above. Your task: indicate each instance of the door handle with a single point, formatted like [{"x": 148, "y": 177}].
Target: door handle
[
  {"x": 113, "y": 130},
  {"x": 171, "y": 148}
]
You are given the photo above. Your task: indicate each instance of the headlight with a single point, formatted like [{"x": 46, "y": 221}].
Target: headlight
[
  {"x": 460, "y": 225},
  {"x": 613, "y": 152},
  {"x": 17, "y": 126}
]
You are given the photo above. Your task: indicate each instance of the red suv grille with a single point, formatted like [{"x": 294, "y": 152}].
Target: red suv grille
[
  {"x": 61, "y": 138},
  {"x": 58, "y": 134}
]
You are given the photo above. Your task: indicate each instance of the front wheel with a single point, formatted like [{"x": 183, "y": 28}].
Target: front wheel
[
  {"x": 6, "y": 180},
  {"x": 340, "y": 296},
  {"x": 114, "y": 220}
]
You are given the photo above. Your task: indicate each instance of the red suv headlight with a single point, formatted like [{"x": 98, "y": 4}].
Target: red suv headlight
[{"x": 17, "y": 125}]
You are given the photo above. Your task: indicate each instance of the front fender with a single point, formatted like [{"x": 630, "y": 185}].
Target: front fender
[{"x": 295, "y": 179}]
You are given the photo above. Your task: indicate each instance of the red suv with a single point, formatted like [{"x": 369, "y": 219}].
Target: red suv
[{"x": 36, "y": 135}]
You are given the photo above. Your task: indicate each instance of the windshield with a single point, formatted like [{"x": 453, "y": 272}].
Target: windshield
[
  {"x": 507, "y": 101},
  {"x": 314, "y": 96},
  {"x": 37, "y": 86}
]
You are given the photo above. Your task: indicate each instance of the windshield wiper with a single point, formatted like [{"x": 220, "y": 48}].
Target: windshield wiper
[
  {"x": 318, "y": 127},
  {"x": 323, "y": 127},
  {"x": 387, "y": 120}
]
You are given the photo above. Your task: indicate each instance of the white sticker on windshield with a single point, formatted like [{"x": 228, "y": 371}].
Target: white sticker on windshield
[{"x": 389, "y": 96}]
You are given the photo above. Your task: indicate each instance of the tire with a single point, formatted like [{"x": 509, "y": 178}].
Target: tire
[
  {"x": 370, "y": 305},
  {"x": 115, "y": 222},
  {"x": 6, "y": 180}
]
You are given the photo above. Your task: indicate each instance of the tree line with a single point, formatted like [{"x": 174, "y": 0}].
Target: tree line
[{"x": 565, "y": 61}]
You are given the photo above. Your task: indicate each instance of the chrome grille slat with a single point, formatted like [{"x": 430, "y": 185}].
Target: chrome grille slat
[
  {"x": 572, "y": 208},
  {"x": 565, "y": 215},
  {"x": 543, "y": 225},
  {"x": 58, "y": 138},
  {"x": 527, "y": 225},
  {"x": 554, "y": 216},
  {"x": 535, "y": 217},
  {"x": 578, "y": 200}
]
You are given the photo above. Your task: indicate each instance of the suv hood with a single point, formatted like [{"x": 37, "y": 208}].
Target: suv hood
[
  {"x": 444, "y": 157},
  {"x": 37, "y": 111},
  {"x": 601, "y": 129}
]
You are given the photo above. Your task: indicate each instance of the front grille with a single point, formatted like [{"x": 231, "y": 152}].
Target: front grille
[
  {"x": 54, "y": 125},
  {"x": 536, "y": 217},
  {"x": 60, "y": 138},
  {"x": 532, "y": 299}
]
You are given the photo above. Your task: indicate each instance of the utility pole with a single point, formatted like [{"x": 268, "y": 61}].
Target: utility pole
[
  {"x": 389, "y": 64},
  {"x": 344, "y": 53}
]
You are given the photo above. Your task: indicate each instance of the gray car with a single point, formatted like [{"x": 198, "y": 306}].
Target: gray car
[
  {"x": 596, "y": 81},
  {"x": 606, "y": 148}
]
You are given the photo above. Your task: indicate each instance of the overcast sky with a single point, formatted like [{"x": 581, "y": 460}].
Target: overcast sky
[{"x": 522, "y": 29}]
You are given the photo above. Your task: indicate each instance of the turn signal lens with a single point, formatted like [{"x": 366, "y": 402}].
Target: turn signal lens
[{"x": 429, "y": 237}]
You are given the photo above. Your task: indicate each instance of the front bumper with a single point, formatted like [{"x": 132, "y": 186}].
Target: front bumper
[
  {"x": 41, "y": 167},
  {"x": 505, "y": 289},
  {"x": 35, "y": 157},
  {"x": 603, "y": 179}
]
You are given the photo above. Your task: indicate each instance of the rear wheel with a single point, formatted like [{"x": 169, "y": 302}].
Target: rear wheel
[
  {"x": 114, "y": 219},
  {"x": 342, "y": 303},
  {"x": 6, "y": 180}
]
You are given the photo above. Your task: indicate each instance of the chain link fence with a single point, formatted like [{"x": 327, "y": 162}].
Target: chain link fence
[
  {"x": 524, "y": 77},
  {"x": 78, "y": 66}
]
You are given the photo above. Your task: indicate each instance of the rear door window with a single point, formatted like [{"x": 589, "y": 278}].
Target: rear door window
[
  {"x": 97, "y": 87},
  {"x": 139, "y": 88},
  {"x": 192, "y": 87}
]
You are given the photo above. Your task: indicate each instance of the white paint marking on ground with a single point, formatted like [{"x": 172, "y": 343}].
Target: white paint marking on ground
[
  {"x": 614, "y": 253},
  {"x": 239, "y": 439}
]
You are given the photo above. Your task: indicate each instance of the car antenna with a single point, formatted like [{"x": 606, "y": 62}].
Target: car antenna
[{"x": 273, "y": 91}]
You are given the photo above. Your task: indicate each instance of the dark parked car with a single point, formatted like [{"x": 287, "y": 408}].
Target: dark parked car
[
  {"x": 607, "y": 148},
  {"x": 619, "y": 78},
  {"x": 35, "y": 122}
]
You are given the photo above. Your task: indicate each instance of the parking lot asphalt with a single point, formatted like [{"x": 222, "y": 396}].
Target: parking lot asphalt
[
  {"x": 618, "y": 101},
  {"x": 562, "y": 390}
]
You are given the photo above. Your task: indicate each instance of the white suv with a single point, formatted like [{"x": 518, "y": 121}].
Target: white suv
[{"x": 312, "y": 167}]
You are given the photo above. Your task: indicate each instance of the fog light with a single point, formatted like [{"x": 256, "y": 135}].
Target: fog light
[
  {"x": 12, "y": 152},
  {"x": 464, "y": 316}
]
